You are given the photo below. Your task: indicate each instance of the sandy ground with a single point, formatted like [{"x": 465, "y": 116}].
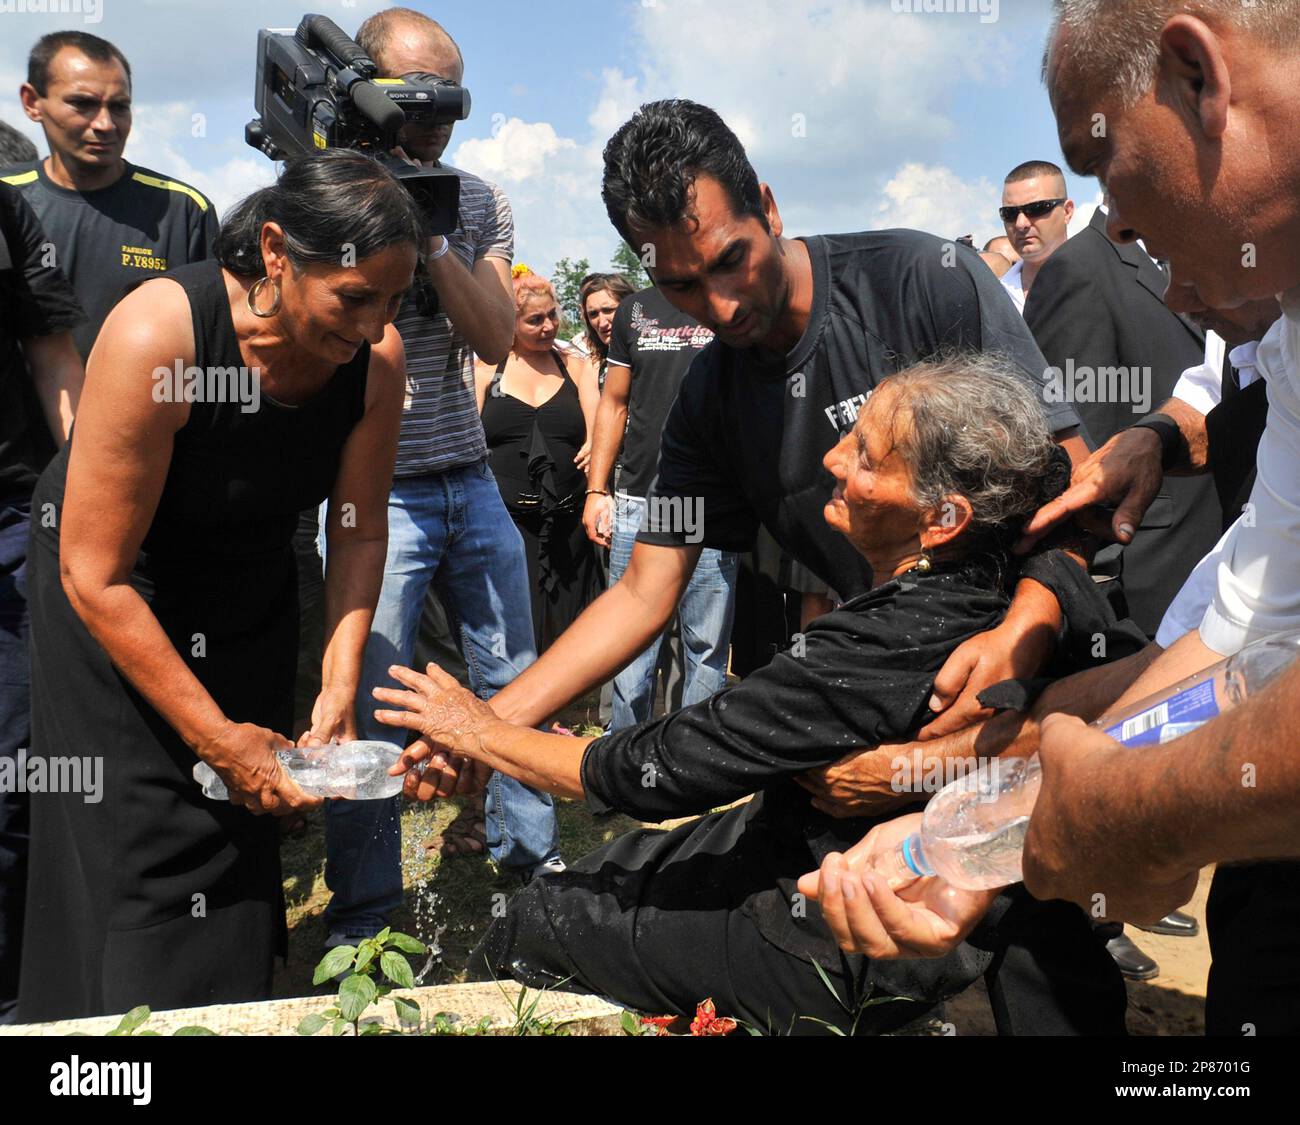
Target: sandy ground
[{"x": 1172, "y": 1004}]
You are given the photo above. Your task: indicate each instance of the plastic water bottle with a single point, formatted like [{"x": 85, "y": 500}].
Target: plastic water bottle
[
  {"x": 350, "y": 771},
  {"x": 973, "y": 831}
]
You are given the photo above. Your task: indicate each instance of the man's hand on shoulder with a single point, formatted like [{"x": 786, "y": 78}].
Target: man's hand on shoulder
[{"x": 1126, "y": 472}]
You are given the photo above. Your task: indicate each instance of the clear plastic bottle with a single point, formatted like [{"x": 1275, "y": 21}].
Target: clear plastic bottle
[
  {"x": 352, "y": 771},
  {"x": 973, "y": 831}
]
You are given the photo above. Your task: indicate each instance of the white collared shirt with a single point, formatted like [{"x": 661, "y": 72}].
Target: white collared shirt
[
  {"x": 1191, "y": 606},
  {"x": 1011, "y": 282},
  {"x": 1201, "y": 387}
]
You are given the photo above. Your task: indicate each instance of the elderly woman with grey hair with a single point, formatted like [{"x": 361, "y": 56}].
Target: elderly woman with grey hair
[{"x": 946, "y": 462}]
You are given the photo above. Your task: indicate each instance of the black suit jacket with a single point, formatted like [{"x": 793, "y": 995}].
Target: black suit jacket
[{"x": 1094, "y": 305}]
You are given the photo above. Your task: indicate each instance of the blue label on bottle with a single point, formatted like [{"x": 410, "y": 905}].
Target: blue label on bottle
[{"x": 1171, "y": 718}]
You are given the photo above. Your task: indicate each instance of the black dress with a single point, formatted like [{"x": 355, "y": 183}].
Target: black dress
[
  {"x": 659, "y": 921},
  {"x": 532, "y": 451},
  {"x": 154, "y": 894}
]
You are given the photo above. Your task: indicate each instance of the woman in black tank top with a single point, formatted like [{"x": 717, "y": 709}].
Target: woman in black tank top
[
  {"x": 218, "y": 404},
  {"x": 537, "y": 420}
]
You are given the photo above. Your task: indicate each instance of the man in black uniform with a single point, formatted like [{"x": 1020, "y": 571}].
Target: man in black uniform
[
  {"x": 109, "y": 223},
  {"x": 40, "y": 381}
]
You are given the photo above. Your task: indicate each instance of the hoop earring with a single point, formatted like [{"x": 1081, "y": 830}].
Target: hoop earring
[{"x": 256, "y": 291}]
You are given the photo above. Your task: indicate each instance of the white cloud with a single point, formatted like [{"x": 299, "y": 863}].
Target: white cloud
[
  {"x": 618, "y": 100},
  {"x": 936, "y": 199},
  {"x": 515, "y": 153},
  {"x": 160, "y": 137},
  {"x": 553, "y": 184}
]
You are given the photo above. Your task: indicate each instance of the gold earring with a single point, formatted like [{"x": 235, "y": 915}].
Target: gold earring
[
  {"x": 256, "y": 291},
  {"x": 924, "y": 565}
]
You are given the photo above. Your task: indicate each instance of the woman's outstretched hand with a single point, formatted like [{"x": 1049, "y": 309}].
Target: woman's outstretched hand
[{"x": 448, "y": 720}]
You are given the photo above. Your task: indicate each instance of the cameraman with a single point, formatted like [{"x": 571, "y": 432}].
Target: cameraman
[{"x": 447, "y": 525}]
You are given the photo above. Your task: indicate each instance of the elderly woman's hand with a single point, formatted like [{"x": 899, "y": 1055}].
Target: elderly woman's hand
[
  {"x": 445, "y": 716},
  {"x": 865, "y": 783}
]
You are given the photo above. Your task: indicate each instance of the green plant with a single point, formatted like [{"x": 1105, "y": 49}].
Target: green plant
[
  {"x": 370, "y": 971},
  {"x": 135, "y": 1019},
  {"x": 855, "y": 1007}
]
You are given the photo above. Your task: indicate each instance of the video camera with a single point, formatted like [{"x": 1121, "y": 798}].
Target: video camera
[{"x": 316, "y": 90}]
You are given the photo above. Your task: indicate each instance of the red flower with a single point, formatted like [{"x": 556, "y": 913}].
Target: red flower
[
  {"x": 663, "y": 1023},
  {"x": 706, "y": 1021}
]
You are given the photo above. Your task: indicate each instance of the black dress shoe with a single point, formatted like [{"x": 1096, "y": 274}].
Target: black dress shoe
[
  {"x": 1132, "y": 962},
  {"x": 1176, "y": 924}
]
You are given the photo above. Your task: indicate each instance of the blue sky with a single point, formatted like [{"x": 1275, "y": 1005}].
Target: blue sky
[{"x": 860, "y": 113}]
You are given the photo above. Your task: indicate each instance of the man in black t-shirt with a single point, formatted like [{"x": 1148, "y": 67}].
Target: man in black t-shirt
[
  {"x": 805, "y": 329},
  {"x": 651, "y": 348},
  {"x": 109, "y": 224},
  {"x": 40, "y": 380}
]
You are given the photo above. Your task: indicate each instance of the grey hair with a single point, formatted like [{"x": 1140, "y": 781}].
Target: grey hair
[
  {"x": 977, "y": 430},
  {"x": 1118, "y": 41}
]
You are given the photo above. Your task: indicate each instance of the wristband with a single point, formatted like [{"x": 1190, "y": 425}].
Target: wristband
[
  {"x": 1173, "y": 446},
  {"x": 446, "y": 245},
  {"x": 597, "y": 492}
]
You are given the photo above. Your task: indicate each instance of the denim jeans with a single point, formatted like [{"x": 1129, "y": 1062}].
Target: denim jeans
[
  {"x": 452, "y": 530},
  {"x": 15, "y": 731},
  {"x": 704, "y": 616}
]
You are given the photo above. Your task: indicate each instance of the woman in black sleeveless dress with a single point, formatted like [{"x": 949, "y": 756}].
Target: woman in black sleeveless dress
[
  {"x": 538, "y": 421},
  {"x": 218, "y": 404}
]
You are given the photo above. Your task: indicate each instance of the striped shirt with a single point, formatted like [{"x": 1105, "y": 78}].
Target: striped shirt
[{"x": 441, "y": 429}]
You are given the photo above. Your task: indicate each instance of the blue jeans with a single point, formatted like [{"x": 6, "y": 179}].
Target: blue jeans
[
  {"x": 15, "y": 731},
  {"x": 450, "y": 530},
  {"x": 704, "y": 614}
]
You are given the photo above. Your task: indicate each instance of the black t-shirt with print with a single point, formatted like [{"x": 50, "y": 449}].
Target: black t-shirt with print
[
  {"x": 35, "y": 300},
  {"x": 659, "y": 344},
  {"x": 744, "y": 442},
  {"x": 110, "y": 240}
]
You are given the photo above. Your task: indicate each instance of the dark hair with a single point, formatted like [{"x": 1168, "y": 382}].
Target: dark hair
[
  {"x": 652, "y": 162},
  {"x": 14, "y": 147},
  {"x": 1032, "y": 170},
  {"x": 92, "y": 46},
  {"x": 324, "y": 203},
  {"x": 614, "y": 283}
]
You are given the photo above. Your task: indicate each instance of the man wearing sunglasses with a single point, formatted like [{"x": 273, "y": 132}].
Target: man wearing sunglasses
[{"x": 1036, "y": 213}]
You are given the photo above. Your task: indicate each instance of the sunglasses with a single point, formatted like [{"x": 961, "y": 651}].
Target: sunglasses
[{"x": 1031, "y": 210}]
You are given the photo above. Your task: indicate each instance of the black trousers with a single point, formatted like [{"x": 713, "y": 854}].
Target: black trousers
[
  {"x": 1253, "y": 921},
  {"x": 653, "y": 921}
]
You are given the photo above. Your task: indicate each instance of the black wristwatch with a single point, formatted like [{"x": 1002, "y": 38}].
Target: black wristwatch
[{"x": 1173, "y": 446}]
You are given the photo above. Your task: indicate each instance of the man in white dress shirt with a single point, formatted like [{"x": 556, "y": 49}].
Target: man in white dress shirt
[{"x": 1036, "y": 211}]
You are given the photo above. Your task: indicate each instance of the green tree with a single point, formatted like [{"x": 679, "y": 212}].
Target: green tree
[
  {"x": 567, "y": 280},
  {"x": 628, "y": 263}
]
